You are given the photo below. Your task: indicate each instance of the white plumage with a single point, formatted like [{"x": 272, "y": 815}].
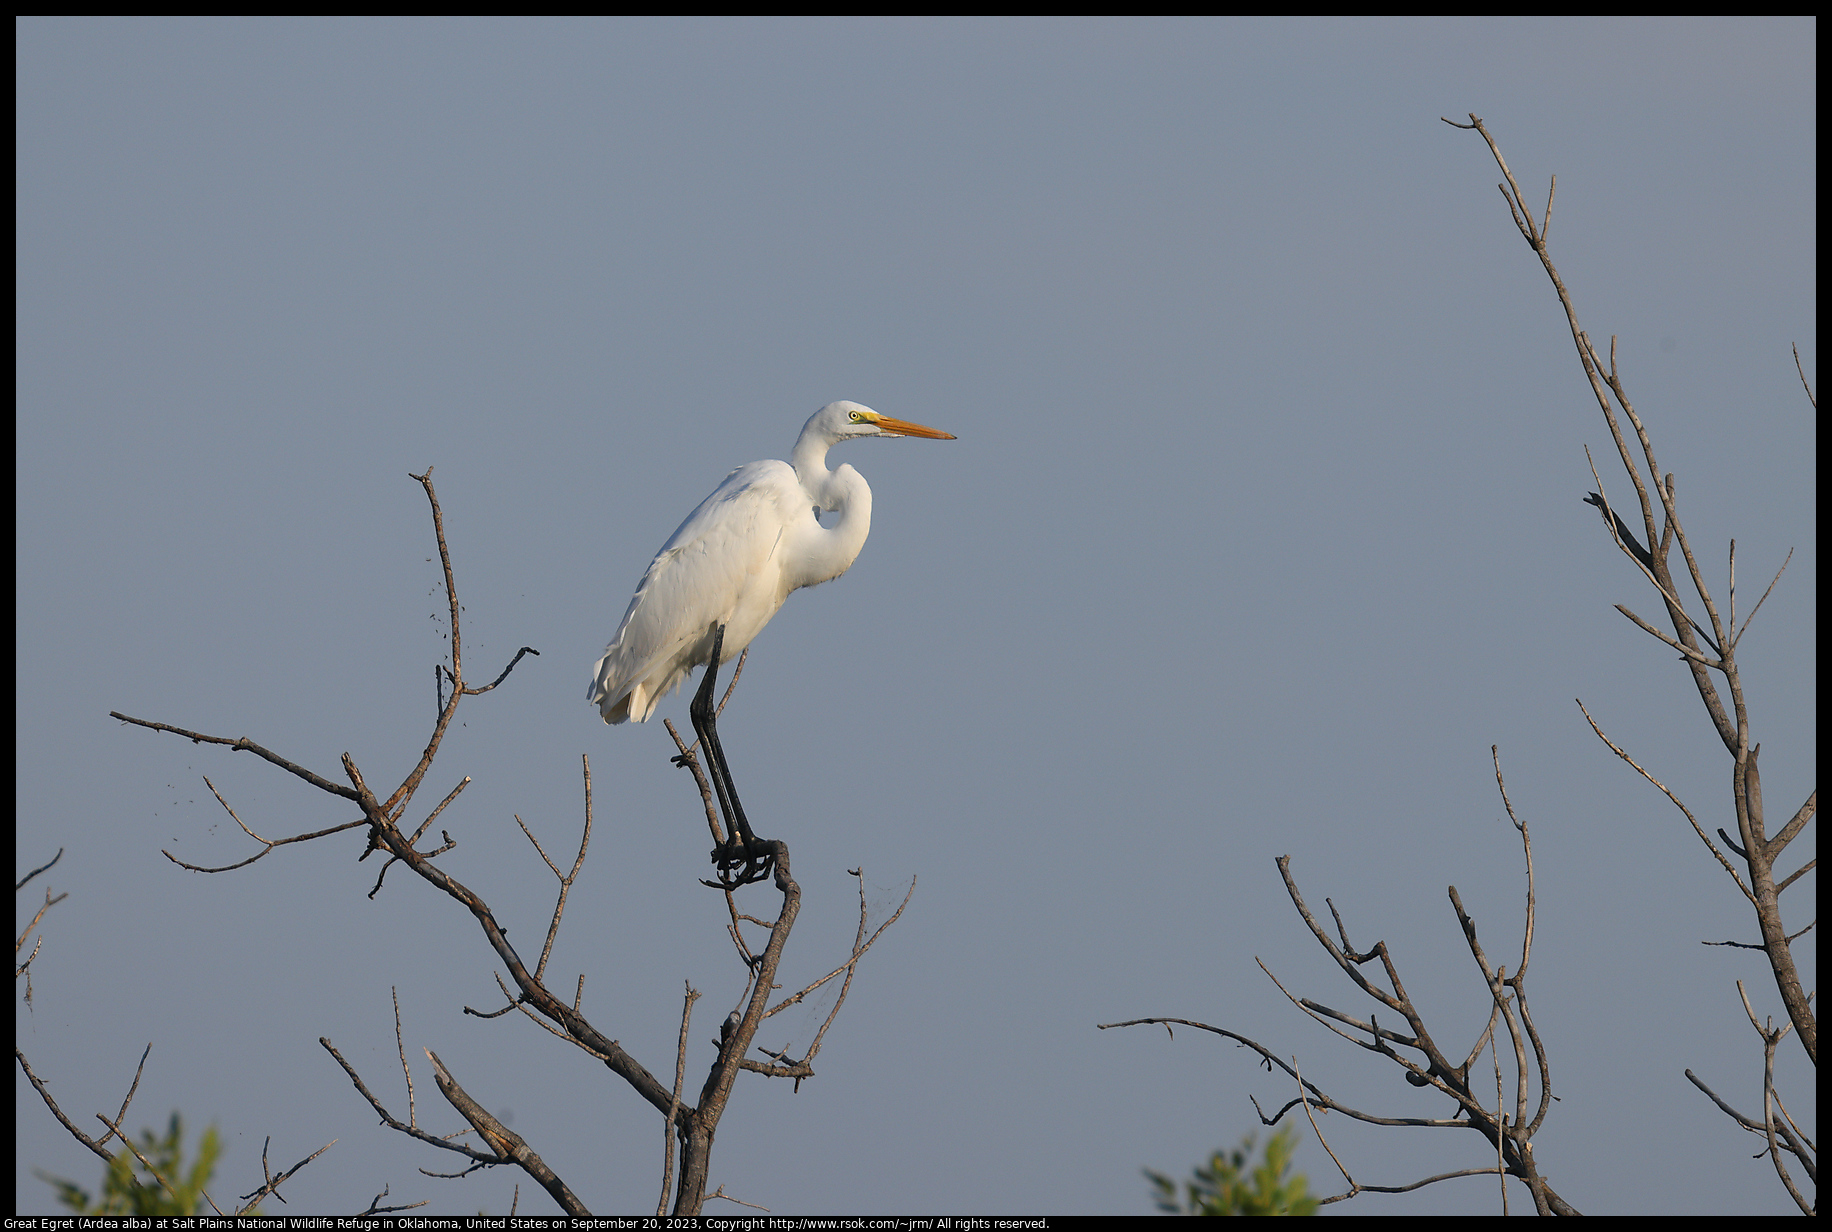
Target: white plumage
[{"x": 738, "y": 556}]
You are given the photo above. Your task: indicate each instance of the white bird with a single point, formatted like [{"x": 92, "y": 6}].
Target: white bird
[{"x": 738, "y": 556}]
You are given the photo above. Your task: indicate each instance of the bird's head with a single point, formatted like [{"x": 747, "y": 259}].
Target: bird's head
[{"x": 845, "y": 421}]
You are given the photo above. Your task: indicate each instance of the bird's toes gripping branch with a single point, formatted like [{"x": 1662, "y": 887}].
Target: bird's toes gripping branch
[{"x": 741, "y": 863}]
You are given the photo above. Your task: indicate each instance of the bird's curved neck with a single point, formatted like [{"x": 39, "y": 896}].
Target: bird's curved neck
[
  {"x": 810, "y": 461},
  {"x": 829, "y": 551}
]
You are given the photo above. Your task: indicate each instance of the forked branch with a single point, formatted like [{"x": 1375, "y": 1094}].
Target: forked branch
[{"x": 1508, "y": 1130}]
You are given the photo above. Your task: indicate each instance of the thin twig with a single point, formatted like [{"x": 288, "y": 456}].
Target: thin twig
[
  {"x": 689, "y": 761},
  {"x": 1501, "y": 1122},
  {"x": 680, "y": 1078},
  {"x": 388, "y": 1118},
  {"x": 20, "y": 885},
  {"x": 1737, "y": 635},
  {"x": 525, "y": 650},
  {"x": 244, "y": 745},
  {"x": 274, "y": 1182},
  {"x": 1299, "y": 1077},
  {"x": 1677, "y": 802}
]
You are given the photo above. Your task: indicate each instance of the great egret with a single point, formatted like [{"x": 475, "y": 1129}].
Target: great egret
[
  {"x": 727, "y": 570},
  {"x": 738, "y": 556}
]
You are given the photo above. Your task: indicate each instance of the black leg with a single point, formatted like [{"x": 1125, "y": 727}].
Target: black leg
[
  {"x": 742, "y": 845},
  {"x": 704, "y": 716}
]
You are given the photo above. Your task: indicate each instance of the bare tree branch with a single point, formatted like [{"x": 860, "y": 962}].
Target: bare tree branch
[
  {"x": 1510, "y": 1136},
  {"x": 25, "y": 968},
  {"x": 245, "y": 745},
  {"x": 680, "y": 1076},
  {"x": 273, "y": 1182},
  {"x": 692, "y": 1124},
  {"x": 21, "y": 883},
  {"x": 508, "y": 1145},
  {"x": 44, "y": 1092}
]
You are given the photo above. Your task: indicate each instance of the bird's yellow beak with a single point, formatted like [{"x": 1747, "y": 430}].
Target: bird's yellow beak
[{"x": 903, "y": 427}]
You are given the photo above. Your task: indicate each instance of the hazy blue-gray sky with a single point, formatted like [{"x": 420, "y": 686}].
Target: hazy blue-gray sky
[{"x": 1264, "y": 523}]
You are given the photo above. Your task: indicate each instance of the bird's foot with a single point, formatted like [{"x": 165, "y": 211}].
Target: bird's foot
[{"x": 743, "y": 861}]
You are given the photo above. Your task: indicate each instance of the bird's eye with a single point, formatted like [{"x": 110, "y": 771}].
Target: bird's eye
[{"x": 857, "y": 418}]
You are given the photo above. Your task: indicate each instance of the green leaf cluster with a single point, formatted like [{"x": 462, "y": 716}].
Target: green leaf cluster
[
  {"x": 124, "y": 1192},
  {"x": 1226, "y": 1186}
]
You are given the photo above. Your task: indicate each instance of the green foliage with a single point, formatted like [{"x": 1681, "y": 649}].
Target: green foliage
[
  {"x": 1223, "y": 1186},
  {"x": 127, "y": 1188}
]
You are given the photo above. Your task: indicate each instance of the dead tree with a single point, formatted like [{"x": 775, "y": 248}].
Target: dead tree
[
  {"x": 691, "y": 1124},
  {"x": 1709, "y": 650}
]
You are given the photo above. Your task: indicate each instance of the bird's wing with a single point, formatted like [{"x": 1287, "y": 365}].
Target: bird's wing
[{"x": 697, "y": 580}]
